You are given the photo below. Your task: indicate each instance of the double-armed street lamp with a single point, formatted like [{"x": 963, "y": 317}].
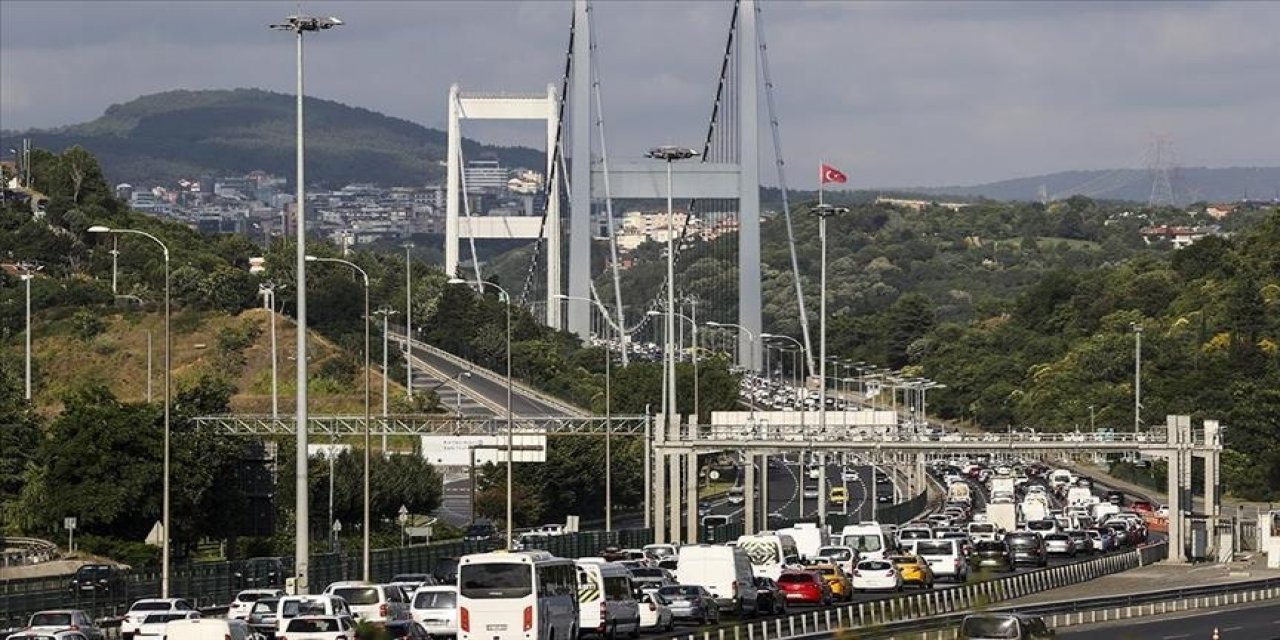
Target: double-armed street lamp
[
  {"x": 168, "y": 367},
  {"x": 28, "y": 271},
  {"x": 506, "y": 297},
  {"x": 608, "y": 410},
  {"x": 367, "y": 571},
  {"x": 298, "y": 25}
]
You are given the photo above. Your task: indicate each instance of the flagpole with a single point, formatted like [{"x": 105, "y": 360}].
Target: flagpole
[{"x": 822, "y": 180}]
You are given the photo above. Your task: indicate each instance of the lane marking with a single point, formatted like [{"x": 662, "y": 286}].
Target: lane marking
[{"x": 1185, "y": 635}]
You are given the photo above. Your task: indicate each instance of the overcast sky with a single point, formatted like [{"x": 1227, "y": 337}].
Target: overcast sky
[{"x": 896, "y": 93}]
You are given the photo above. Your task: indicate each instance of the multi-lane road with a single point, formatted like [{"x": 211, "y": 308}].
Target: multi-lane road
[{"x": 1254, "y": 622}]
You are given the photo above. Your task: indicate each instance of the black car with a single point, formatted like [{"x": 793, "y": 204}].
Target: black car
[
  {"x": 96, "y": 579},
  {"x": 1116, "y": 497},
  {"x": 1002, "y": 626},
  {"x": 770, "y": 598},
  {"x": 406, "y": 630},
  {"x": 261, "y": 573},
  {"x": 446, "y": 570},
  {"x": 994, "y": 554},
  {"x": 480, "y": 531},
  {"x": 1027, "y": 548}
]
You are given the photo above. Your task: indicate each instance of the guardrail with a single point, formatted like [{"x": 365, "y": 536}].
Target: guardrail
[
  {"x": 17, "y": 551},
  {"x": 215, "y": 583}
]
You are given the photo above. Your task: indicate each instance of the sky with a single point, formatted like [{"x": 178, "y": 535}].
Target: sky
[{"x": 906, "y": 93}]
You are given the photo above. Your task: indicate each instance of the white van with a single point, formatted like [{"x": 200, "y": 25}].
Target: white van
[
  {"x": 436, "y": 609},
  {"x": 380, "y": 603},
  {"x": 208, "y": 629},
  {"x": 726, "y": 572},
  {"x": 290, "y": 607},
  {"x": 809, "y": 538},
  {"x": 869, "y": 539},
  {"x": 607, "y": 604},
  {"x": 944, "y": 556},
  {"x": 770, "y": 554}
]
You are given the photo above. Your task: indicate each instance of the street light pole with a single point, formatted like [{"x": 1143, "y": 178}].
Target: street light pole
[
  {"x": 823, "y": 211},
  {"x": 480, "y": 284},
  {"x": 386, "y": 313},
  {"x": 367, "y": 418},
  {"x": 28, "y": 272},
  {"x": 168, "y": 368},
  {"x": 268, "y": 291},
  {"x": 671, "y": 154},
  {"x": 608, "y": 411},
  {"x": 408, "y": 319},
  {"x": 1137, "y": 377},
  {"x": 299, "y": 24}
]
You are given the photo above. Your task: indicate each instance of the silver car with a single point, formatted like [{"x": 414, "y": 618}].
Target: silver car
[
  {"x": 691, "y": 603},
  {"x": 1059, "y": 544}
]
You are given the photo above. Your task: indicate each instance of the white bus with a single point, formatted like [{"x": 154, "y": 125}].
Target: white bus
[
  {"x": 527, "y": 595},
  {"x": 770, "y": 553}
]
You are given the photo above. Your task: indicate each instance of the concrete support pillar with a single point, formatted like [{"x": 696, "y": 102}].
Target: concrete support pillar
[
  {"x": 660, "y": 484},
  {"x": 1179, "y": 436},
  {"x": 822, "y": 487},
  {"x": 764, "y": 492},
  {"x": 674, "y": 497},
  {"x": 691, "y": 498},
  {"x": 749, "y": 494},
  {"x": 1212, "y": 470},
  {"x": 749, "y": 300},
  {"x": 580, "y": 174}
]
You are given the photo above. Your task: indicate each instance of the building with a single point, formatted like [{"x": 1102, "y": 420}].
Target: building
[
  {"x": 1179, "y": 237},
  {"x": 917, "y": 205},
  {"x": 484, "y": 176}
]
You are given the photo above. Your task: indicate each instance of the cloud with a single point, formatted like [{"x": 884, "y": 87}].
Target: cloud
[{"x": 895, "y": 92}]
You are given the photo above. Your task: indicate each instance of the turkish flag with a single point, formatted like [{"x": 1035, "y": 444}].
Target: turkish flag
[{"x": 832, "y": 174}]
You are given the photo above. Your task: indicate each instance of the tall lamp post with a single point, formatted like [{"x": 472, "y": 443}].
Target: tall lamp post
[
  {"x": 751, "y": 340},
  {"x": 268, "y": 291},
  {"x": 367, "y": 384},
  {"x": 168, "y": 362},
  {"x": 28, "y": 271},
  {"x": 480, "y": 284},
  {"x": 608, "y": 412},
  {"x": 408, "y": 319},
  {"x": 1137, "y": 377},
  {"x": 386, "y": 313},
  {"x": 654, "y": 312},
  {"x": 298, "y": 25},
  {"x": 670, "y": 154},
  {"x": 823, "y": 211}
]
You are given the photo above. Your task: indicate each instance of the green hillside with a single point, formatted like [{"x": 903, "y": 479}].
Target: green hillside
[{"x": 177, "y": 134}]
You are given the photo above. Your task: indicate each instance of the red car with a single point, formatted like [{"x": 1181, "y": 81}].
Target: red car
[
  {"x": 805, "y": 587},
  {"x": 1142, "y": 506}
]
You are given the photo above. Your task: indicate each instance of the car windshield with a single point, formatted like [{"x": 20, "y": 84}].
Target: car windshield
[
  {"x": 646, "y": 572},
  {"x": 93, "y": 572},
  {"x": 410, "y": 577},
  {"x": 265, "y": 606},
  {"x": 989, "y": 627},
  {"x": 477, "y": 530},
  {"x": 1040, "y": 525},
  {"x": 293, "y": 608},
  {"x": 1057, "y": 537},
  {"x": 1023, "y": 542},
  {"x": 435, "y": 600},
  {"x": 794, "y": 578},
  {"x": 151, "y": 606},
  {"x": 683, "y": 591},
  {"x": 990, "y": 546},
  {"x": 835, "y": 553},
  {"x": 50, "y": 620},
  {"x": 358, "y": 595},
  {"x": 249, "y": 596},
  {"x": 496, "y": 580},
  {"x": 864, "y": 541},
  {"x": 312, "y": 625},
  {"x": 157, "y": 618},
  {"x": 874, "y": 565}
]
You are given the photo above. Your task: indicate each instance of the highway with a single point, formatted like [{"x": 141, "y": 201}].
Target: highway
[{"x": 1257, "y": 622}]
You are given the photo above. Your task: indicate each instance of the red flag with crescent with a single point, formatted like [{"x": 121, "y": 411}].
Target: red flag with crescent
[{"x": 832, "y": 174}]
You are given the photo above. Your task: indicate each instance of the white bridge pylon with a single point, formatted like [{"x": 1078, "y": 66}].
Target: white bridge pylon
[{"x": 493, "y": 106}]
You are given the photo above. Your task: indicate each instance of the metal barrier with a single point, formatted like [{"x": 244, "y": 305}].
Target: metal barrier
[{"x": 216, "y": 583}]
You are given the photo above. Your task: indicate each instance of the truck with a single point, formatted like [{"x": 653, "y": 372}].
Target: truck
[
  {"x": 1003, "y": 515},
  {"x": 1003, "y": 484},
  {"x": 808, "y": 538},
  {"x": 1034, "y": 509},
  {"x": 1081, "y": 496},
  {"x": 959, "y": 492}
]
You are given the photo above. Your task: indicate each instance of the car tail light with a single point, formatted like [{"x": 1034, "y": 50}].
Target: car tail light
[
  {"x": 464, "y": 620},
  {"x": 382, "y": 610},
  {"x": 281, "y": 638},
  {"x": 528, "y": 617},
  {"x": 653, "y": 607}
]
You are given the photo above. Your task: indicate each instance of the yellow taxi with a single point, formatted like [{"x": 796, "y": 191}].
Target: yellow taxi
[
  {"x": 837, "y": 579},
  {"x": 838, "y": 495},
  {"x": 913, "y": 570}
]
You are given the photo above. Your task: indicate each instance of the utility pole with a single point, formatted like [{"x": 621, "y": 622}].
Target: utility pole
[{"x": 1137, "y": 377}]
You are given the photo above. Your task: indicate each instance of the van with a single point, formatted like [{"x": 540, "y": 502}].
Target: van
[
  {"x": 436, "y": 609},
  {"x": 207, "y": 629},
  {"x": 726, "y": 572},
  {"x": 808, "y": 538},
  {"x": 769, "y": 553},
  {"x": 379, "y": 603},
  {"x": 869, "y": 539},
  {"x": 945, "y": 558},
  {"x": 290, "y": 607},
  {"x": 607, "y": 604}
]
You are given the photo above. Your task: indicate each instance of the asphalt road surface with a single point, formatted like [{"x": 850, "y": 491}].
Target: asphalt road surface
[{"x": 1259, "y": 622}]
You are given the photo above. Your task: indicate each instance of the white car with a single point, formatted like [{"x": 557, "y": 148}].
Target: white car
[
  {"x": 850, "y": 475},
  {"x": 436, "y": 609},
  {"x": 380, "y": 603},
  {"x": 58, "y": 619},
  {"x": 147, "y": 606},
  {"x": 654, "y": 612},
  {"x": 876, "y": 575},
  {"x": 319, "y": 628},
  {"x": 242, "y": 604},
  {"x": 840, "y": 555},
  {"x": 153, "y": 626}
]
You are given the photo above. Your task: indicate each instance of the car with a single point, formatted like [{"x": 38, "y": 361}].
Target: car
[
  {"x": 96, "y": 579},
  {"x": 1059, "y": 544},
  {"x": 654, "y": 577},
  {"x": 242, "y": 604},
  {"x": 290, "y": 607},
  {"x": 261, "y": 573},
  {"x": 1080, "y": 540},
  {"x": 1122, "y": 534},
  {"x": 839, "y": 555},
  {"x": 849, "y": 475},
  {"x": 1142, "y": 506},
  {"x": 841, "y": 588},
  {"x": 262, "y": 617},
  {"x": 147, "y": 606},
  {"x": 913, "y": 570},
  {"x": 691, "y": 603},
  {"x": 876, "y": 575},
  {"x": 838, "y": 495},
  {"x": 1101, "y": 539},
  {"x": 994, "y": 554},
  {"x": 480, "y": 531},
  {"x": 153, "y": 626},
  {"x": 409, "y": 582},
  {"x": 435, "y": 607},
  {"x": 1004, "y": 626},
  {"x": 377, "y": 603},
  {"x": 655, "y": 612},
  {"x": 53, "y": 634},
  {"x": 811, "y": 491},
  {"x": 319, "y": 628},
  {"x": 445, "y": 570},
  {"x": 74, "y": 619},
  {"x": 406, "y": 630},
  {"x": 1028, "y": 548},
  {"x": 805, "y": 587},
  {"x": 770, "y": 598},
  {"x": 1115, "y": 497},
  {"x": 208, "y": 629},
  {"x": 945, "y": 558}
]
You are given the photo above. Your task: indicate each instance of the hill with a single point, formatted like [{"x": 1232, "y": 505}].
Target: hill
[
  {"x": 1190, "y": 184},
  {"x": 187, "y": 134}
]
